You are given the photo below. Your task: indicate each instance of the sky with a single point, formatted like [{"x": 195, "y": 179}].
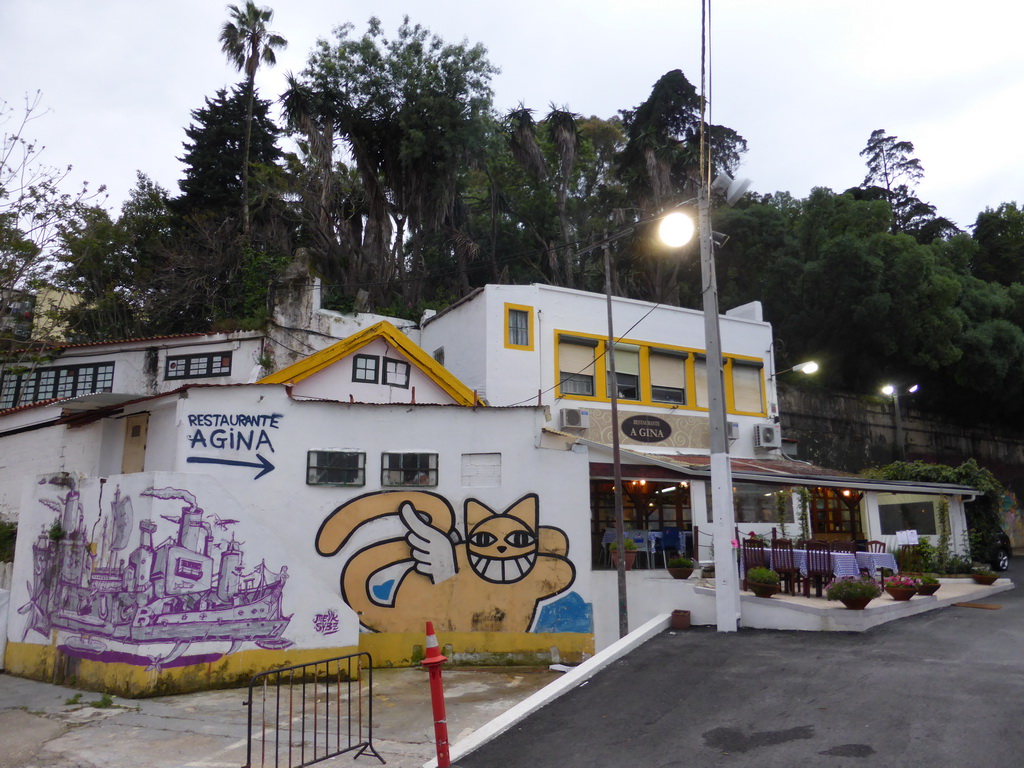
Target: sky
[{"x": 805, "y": 82}]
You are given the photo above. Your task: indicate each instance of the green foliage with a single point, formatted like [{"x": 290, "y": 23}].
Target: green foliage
[
  {"x": 56, "y": 531},
  {"x": 849, "y": 588},
  {"x": 628, "y": 545},
  {"x": 679, "y": 562},
  {"x": 783, "y": 504},
  {"x": 762, "y": 576},
  {"x": 983, "y": 514},
  {"x": 8, "y": 538},
  {"x": 72, "y": 700}
]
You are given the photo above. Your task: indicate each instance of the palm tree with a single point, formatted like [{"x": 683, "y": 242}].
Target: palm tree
[{"x": 247, "y": 43}]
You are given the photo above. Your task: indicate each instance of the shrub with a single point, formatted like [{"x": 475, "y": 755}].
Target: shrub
[
  {"x": 762, "y": 576},
  {"x": 851, "y": 588},
  {"x": 680, "y": 562}
]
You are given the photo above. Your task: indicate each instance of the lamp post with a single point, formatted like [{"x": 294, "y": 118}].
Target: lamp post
[
  {"x": 893, "y": 392},
  {"x": 723, "y": 516}
]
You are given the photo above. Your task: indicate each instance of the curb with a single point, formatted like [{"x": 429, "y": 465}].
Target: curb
[{"x": 552, "y": 691}]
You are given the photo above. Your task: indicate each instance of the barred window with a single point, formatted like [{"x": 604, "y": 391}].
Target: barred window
[
  {"x": 404, "y": 469},
  {"x": 335, "y": 468}
]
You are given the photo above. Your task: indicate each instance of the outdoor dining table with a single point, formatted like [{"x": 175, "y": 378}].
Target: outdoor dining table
[
  {"x": 873, "y": 562},
  {"x": 843, "y": 563}
]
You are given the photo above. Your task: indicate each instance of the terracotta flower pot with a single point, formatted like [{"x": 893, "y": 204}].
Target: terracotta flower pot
[
  {"x": 928, "y": 589},
  {"x": 982, "y": 578},
  {"x": 680, "y": 573},
  {"x": 630, "y": 558},
  {"x": 856, "y": 603},
  {"x": 680, "y": 619},
  {"x": 901, "y": 593},
  {"x": 763, "y": 590}
]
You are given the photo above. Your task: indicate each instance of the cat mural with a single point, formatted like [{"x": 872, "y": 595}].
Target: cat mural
[{"x": 406, "y": 562}]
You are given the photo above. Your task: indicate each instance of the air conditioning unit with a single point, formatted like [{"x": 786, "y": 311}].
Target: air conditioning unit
[
  {"x": 733, "y": 430},
  {"x": 767, "y": 436},
  {"x": 574, "y": 418}
]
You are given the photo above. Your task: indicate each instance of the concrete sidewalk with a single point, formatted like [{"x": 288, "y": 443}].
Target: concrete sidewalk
[{"x": 46, "y": 726}]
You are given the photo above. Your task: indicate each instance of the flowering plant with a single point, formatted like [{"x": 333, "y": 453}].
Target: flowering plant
[
  {"x": 850, "y": 587},
  {"x": 902, "y": 582}
]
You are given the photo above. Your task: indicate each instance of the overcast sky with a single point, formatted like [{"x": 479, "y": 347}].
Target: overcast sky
[{"x": 805, "y": 82}]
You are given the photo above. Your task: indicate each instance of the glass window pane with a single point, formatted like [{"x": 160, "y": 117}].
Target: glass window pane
[{"x": 746, "y": 388}]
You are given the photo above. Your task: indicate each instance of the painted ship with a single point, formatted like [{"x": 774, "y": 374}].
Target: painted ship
[{"x": 181, "y": 591}]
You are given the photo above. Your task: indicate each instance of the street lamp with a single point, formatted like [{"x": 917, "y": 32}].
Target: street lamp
[
  {"x": 893, "y": 392},
  {"x": 723, "y": 516},
  {"x": 808, "y": 368}
]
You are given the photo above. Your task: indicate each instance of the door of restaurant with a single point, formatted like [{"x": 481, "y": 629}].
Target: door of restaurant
[{"x": 836, "y": 514}]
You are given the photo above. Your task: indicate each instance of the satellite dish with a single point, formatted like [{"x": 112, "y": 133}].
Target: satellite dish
[{"x": 732, "y": 189}]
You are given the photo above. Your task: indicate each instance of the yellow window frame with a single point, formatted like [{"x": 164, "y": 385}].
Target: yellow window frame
[{"x": 509, "y": 308}]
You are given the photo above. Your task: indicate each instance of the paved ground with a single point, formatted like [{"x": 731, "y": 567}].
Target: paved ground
[
  {"x": 39, "y": 728},
  {"x": 944, "y": 688}
]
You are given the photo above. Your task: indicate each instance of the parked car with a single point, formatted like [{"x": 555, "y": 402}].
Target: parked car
[{"x": 997, "y": 550}]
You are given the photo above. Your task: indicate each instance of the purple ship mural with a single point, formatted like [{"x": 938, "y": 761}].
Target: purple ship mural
[{"x": 190, "y": 588}]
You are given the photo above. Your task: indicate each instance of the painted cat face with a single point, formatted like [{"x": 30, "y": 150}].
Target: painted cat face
[{"x": 502, "y": 547}]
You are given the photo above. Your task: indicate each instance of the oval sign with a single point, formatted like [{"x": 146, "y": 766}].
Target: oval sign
[{"x": 646, "y": 429}]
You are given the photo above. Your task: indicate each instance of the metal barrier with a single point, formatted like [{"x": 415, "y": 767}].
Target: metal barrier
[{"x": 311, "y": 712}]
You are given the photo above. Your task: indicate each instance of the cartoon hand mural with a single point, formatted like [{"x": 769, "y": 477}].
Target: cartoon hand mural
[
  {"x": 433, "y": 551},
  {"x": 492, "y": 579}
]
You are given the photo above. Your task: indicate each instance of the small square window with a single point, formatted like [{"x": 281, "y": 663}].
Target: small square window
[
  {"x": 365, "y": 368},
  {"x": 408, "y": 469},
  {"x": 396, "y": 373},
  {"x": 198, "y": 366},
  {"x": 335, "y": 468}
]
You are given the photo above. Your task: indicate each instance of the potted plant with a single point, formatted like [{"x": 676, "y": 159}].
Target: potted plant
[
  {"x": 982, "y": 576},
  {"x": 680, "y": 567},
  {"x": 763, "y": 582},
  {"x": 929, "y": 584},
  {"x": 629, "y": 548},
  {"x": 902, "y": 587},
  {"x": 854, "y": 593}
]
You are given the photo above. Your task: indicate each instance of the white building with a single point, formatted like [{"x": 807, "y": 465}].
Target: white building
[{"x": 458, "y": 472}]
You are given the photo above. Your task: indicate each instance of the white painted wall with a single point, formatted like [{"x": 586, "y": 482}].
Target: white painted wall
[{"x": 335, "y": 382}]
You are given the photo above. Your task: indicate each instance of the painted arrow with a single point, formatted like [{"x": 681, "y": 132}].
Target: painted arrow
[{"x": 263, "y": 465}]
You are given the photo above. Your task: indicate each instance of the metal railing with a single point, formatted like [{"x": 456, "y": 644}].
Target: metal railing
[{"x": 311, "y": 712}]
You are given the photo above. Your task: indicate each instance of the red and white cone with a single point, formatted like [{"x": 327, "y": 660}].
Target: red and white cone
[{"x": 433, "y": 662}]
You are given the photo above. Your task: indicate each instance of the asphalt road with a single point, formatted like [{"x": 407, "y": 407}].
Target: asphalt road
[{"x": 944, "y": 688}]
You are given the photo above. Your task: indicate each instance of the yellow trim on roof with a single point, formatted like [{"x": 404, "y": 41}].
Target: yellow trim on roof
[{"x": 317, "y": 362}]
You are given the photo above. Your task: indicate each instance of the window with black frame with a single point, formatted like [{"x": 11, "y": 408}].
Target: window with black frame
[
  {"x": 335, "y": 468},
  {"x": 408, "y": 469}
]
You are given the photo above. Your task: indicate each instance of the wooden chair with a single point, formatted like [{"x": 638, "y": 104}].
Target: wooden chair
[
  {"x": 784, "y": 565},
  {"x": 909, "y": 559},
  {"x": 754, "y": 556},
  {"x": 876, "y": 546},
  {"x": 819, "y": 567},
  {"x": 843, "y": 546}
]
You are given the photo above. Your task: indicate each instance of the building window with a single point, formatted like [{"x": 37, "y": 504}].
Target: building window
[
  {"x": 396, "y": 373},
  {"x": 365, "y": 368},
  {"x": 405, "y": 469},
  {"x": 439, "y": 355},
  {"x": 481, "y": 470},
  {"x": 335, "y": 468},
  {"x": 518, "y": 327},
  {"x": 747, "y": 389},
  {"x": 757, "y": 503},
  {"x": 700, "y": 381},
  {"x": 198, "y": 366},
  {"x": 576, "y": 366},
  {"x": 48, "y": 383},
  {"x": 668, "y": 378},
  {"x": 627, "y": 371}
]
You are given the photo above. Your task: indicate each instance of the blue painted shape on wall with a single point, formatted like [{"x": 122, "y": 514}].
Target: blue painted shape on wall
[
  {"x": 383, "y": 591},
  {"x": 567, "y": 614}
]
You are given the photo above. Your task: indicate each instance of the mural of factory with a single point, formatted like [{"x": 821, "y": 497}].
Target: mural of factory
[{"x": 190, "y": 588}]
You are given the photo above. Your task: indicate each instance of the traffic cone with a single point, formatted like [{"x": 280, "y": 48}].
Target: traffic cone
[{"x": 433, "y": 650}]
